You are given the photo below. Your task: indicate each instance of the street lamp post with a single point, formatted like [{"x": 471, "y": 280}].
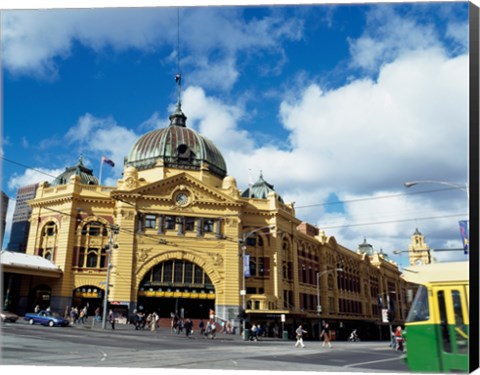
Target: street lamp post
[
  {"x": 464, "y": 188},
  {"x": 456, "y": 186},
  {"x": 243, "y": 292},
  {"x": 319, "y": 305},
  {"x": 113, "y": 230},
  {"x": 430, "y": 257},
  {"x": 388, "y": 305}
]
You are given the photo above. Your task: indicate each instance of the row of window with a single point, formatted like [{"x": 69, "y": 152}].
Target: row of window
[
  {"x": 90, "y": 257},
  {"x": 260, "y": 266},
  {"x": 348, "y": 282},
  {"x": 346, "y": 306},
  {"x": 182, "y": 224}
]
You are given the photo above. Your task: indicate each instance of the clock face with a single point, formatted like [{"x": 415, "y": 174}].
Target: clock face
[
  {"x": 181, "y": 199},
  {"x": 418, "y": 262}
]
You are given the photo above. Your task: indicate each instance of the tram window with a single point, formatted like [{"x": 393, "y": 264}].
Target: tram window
[
  {"x": 447, "y": 347},
  {"x": 461, "y": 332},
  {"x": 420, "y": 309}
]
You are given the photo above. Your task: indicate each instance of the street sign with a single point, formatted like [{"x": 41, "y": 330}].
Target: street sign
[
  {"x": 319, "y": 309},
  {"x": 385, "y": 315},
  {"x": 282, "y": 318}
]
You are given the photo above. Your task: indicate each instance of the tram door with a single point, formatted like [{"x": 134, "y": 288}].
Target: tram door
[{"x": 453, "y": 330}]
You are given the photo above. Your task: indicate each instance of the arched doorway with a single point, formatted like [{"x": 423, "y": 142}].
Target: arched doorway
[
  {"x": 41, "y": 297},
  {"x": 88, "y": 295},
  {"x": 177, "y": 286}
]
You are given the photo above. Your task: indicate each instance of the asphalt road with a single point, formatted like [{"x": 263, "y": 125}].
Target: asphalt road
[{"x": 125, "y": 347}]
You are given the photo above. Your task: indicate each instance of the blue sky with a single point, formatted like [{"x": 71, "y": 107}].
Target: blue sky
[{"x": 330, "y": 102}]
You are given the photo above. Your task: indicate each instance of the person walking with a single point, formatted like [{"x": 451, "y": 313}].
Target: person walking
[
  {"x": 399, "y": 339},
  {"x": 299, "y": 332},
  {"x": 188, "y": 327},
  {"x": 111, "y": 319},
  {"x": 201, "y": 327},
  {"x": 326, "y": 334}
]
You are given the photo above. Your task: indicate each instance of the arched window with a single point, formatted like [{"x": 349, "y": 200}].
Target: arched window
[
  {"x": 48, "y": 241},
  {"x": 92, "y": 245}
]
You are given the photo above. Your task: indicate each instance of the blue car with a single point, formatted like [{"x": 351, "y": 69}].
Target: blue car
[{"x": 46, "y": 318}]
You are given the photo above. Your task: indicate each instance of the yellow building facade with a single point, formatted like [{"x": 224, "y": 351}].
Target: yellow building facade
[{"x": 180, "y": 236}]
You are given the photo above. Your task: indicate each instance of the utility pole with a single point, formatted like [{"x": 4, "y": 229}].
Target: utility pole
[{"x": 113, "y": 231}]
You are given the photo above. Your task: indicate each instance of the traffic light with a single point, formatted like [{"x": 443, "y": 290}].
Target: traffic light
[{"x": 390, "y": 315}]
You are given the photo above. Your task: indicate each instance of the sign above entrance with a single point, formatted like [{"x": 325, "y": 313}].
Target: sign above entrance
[{"x": 166, "y": 294}]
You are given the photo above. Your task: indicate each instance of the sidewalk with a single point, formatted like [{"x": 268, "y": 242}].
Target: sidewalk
[{"x": 97, "y": 326}]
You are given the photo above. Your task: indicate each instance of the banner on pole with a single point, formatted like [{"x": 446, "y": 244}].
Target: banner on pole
[
  {"x": 246, "y": 265},
  {"x": 464, "y": 232},
  {"x": 384, "y": 315}
]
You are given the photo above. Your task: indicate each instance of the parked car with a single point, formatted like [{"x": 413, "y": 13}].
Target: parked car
[
  {"x": 46, "y": 318},
  {"x": 6, "y": 316}
]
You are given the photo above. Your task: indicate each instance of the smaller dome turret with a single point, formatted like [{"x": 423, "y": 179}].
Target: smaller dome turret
[
  {"x": 260, "y": 189},
  {"x": 79, "y": 172}
]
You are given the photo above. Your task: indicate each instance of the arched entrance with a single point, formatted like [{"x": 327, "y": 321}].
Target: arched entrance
[
  {"x": 41, "y": 296},
  {"x": 177, "y": 286},
  {"x": 88, "y": 295}
]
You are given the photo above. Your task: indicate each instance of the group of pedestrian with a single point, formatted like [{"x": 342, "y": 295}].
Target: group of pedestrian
[
  {"x": 78, "y": 316},
  {"x": 256, "y": 331},
  {"x": 144, "y": 321},
  {"x": 326, "y": 335}
]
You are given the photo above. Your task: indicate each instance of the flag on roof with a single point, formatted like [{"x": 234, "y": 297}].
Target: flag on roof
[{"x": 108, "y": 161}]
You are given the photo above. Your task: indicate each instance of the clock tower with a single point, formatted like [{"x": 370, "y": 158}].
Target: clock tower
[{"x": 418, "y": 250}]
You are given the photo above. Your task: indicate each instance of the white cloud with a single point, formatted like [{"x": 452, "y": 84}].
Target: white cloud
[
  {"x": 388, "y": 35},
  {"x": 387, "y": 130},
  {"x": 35, "y": 41},
  {"x": 32, "y": 176},
  {"x": 101, "y": 137},
  {"x": 216, "y": 120},
  {"x": 361, "y": 140}
]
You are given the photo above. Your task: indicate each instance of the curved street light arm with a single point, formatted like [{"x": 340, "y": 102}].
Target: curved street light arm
[{"x": 456, "y": 186}]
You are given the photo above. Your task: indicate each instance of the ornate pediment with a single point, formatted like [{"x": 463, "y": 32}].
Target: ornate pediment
[{"x": 181, "y": 191}]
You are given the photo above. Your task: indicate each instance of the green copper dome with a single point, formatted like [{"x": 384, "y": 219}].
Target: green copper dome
[
  {"x": 85, "y": 174},
  {"x": 260, "y": 189},
  {"x": 178, "y": 147}
]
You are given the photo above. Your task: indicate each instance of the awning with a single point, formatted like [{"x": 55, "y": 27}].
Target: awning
[{"x": 26, "y": 264}]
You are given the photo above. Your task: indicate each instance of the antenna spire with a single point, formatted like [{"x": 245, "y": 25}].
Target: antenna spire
[
  {"x": 178, "y": 118},
  {"x": 178, "y": 76}
]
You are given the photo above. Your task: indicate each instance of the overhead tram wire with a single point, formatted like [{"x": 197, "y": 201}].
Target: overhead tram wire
[
  {"x": 296, "y": 207},
  {"x": 375, "y": 198},
  {"x": 392, "y": 221},
  {"x": 306, "y": 206}
]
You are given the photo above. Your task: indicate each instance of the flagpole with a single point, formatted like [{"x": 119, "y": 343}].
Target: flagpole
[{"x": 100, "y": 177}]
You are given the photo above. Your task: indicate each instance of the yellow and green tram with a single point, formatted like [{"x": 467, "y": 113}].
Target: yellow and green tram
[{"x": 437, "y": 326}]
